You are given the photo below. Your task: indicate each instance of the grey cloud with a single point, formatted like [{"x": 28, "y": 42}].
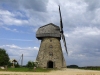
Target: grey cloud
[
  {"x": 76, "y": 15},
  {"x": 93, "y": 4},
  {"x": 33, "y": 11},
  {"x": 83, "y": 46},
  {"x": 37, "y": 5},
  {"x": 86, "y": 41},
  {"x": 9, "y": 4}
]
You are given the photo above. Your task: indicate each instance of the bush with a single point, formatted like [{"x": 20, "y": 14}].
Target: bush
[
  {"x": 72, "y": 66},
  {"x": 31, "y": 65},
  {"x": 17, "y": 65}
]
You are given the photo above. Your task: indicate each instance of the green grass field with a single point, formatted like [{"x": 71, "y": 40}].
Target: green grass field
[
  {"x": 90, "y": 68},
  {"x": 22, "y": 69}
]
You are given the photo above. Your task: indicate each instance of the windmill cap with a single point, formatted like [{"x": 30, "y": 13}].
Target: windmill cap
[{"x": 49, "y": 30}]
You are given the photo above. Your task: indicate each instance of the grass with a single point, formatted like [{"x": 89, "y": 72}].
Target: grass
[
  {"x": 23, "y": 69},
  {"x": 91, "y": 68}
]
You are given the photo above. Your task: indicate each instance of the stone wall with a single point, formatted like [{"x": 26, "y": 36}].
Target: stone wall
[{"x": 50, "y": 50}]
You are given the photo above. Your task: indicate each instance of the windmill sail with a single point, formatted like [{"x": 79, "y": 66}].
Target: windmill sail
[
  {"x": 61, "y": 24},
  {"x": 64, "y": 41},
  {"x": 61, "y": 30}
]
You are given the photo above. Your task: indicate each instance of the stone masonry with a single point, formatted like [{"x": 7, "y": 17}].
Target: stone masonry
[{"x": 50, "y": 51}]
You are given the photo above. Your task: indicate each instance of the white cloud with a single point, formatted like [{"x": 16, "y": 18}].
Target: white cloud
[
  {"x": 6, "y": 28},
  {"x": 9, "y": 18},
  {"x": 12, "y": 46},
  {"x": 15, "y": 52},
  {"x": 6, "y": 12},
  {"x": 85, "y": 31}
]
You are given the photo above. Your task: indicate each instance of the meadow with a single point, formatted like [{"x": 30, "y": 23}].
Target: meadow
[{"x": 24, "y": 69}]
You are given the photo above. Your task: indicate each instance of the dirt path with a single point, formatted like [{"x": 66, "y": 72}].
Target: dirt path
[{"x": 57, "y": 72}]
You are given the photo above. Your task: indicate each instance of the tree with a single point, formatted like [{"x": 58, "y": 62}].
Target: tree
[
  {"x": 4, "y": 58},
  {"x": 72, "y": 66},
  {"x": 30, "y": 65}
]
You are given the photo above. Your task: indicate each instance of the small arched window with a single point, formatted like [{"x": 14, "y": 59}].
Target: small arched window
[
  {"x": 51, "y": 46},
  {"x": 50, "y": 40},
  {"x": 50, "y": 54}
]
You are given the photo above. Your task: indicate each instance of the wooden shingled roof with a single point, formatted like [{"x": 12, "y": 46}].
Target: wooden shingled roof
[{"x": 49, "y": 30}]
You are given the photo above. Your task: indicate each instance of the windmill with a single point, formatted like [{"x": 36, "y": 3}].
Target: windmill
[{"x": 50, "y": 53}]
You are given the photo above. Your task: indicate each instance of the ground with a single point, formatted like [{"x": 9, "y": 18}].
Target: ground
[{"x": 55, "y": 72}]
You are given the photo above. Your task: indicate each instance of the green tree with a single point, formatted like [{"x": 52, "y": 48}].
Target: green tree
[
  {"x": 30, "y": 65},
  {"x": 4, "y": 58},
  {"x": 72, "y": 66},
  {"x": 17, "y": 65}
]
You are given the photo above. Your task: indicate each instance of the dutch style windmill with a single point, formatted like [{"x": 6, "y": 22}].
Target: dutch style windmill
[{"x": 50, "y": 53}]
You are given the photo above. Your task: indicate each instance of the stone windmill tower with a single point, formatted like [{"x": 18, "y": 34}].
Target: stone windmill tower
[{"x": 50, "y": 53}]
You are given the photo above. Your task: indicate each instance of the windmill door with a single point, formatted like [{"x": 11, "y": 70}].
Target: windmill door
[{"x": 50, "y": 64}]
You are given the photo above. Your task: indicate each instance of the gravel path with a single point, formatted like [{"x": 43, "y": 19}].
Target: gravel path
[{"x": 57, "y": 72}]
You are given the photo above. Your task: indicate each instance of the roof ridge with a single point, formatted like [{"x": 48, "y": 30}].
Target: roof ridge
[{"x": 49, "y": 24}]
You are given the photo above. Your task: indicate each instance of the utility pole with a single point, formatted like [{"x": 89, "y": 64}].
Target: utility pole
[{"x": 22, "y": 60}]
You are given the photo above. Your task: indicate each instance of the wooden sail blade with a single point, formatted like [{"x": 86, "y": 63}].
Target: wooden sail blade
[
  {"x": 64, "y": 41},
  {"x": 61, "y": 23}
]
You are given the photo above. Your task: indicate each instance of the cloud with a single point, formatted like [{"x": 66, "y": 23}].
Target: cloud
[
  {"x": 83, "y": 46},
  {"x": 24, "y": 4},
  {"x": 22, "y": 12},
  {"x": 85, "y": 31},
  {"x": 39, "y": 13},
  {"x": 6, "y": 28},
  {"x": 9, "y": 18},
  {"x": 93, "y": 5},
  {"x": 35, "y": 5},
  {"x": 15, "y": 52}
]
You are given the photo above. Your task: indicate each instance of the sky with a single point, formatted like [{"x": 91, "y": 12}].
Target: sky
[{"x": 20, "y": 19}]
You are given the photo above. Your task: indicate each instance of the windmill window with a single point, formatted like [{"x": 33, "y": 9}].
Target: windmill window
[
  {"x": 50, "y": 40},
  {"x": 51, "y": 46},
  {"x": 50, "y": 54}
]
